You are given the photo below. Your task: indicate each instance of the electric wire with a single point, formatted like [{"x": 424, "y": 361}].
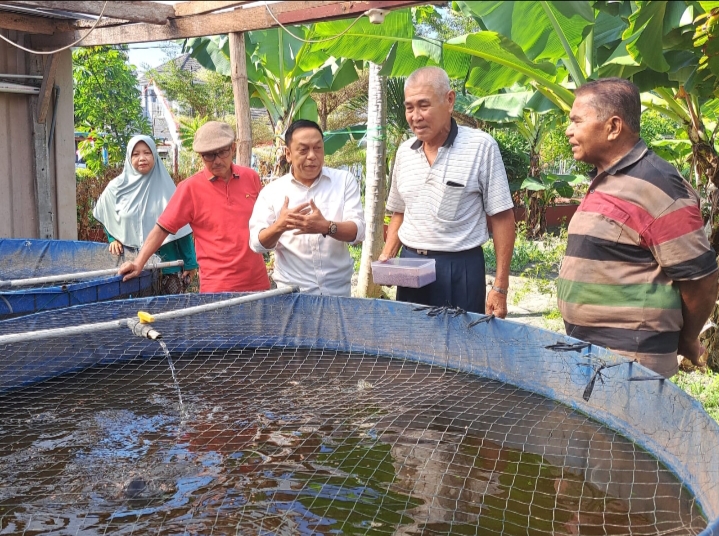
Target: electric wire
[
  {"x": 313, "y": 41},
  {"x": 50, "y": 52}
]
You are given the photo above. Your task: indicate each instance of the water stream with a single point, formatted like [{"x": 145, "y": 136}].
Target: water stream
[{"x": 174, "y": 376}]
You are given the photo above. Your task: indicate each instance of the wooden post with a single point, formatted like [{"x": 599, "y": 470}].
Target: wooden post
[
  {"x": 238, "y": 70},
  {"x": 44, "y": 194}
]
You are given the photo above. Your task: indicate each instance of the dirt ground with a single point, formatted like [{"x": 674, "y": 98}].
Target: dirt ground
[{"x": 531, "y": 306}]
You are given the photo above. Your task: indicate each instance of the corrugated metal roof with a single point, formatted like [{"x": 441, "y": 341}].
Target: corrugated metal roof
[{"x": 45, "y": 12}]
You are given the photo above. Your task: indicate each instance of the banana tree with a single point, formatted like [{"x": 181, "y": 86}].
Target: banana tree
[
  {"x": 545, "y": 189},
  {"x": 276, "y": 81},
  {"x": 532, "y": 115}
]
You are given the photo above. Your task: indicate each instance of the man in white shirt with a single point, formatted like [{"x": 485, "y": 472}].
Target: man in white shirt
[
  {"x": 446, "y": 181},
  {"x": 308, "y": 217}
]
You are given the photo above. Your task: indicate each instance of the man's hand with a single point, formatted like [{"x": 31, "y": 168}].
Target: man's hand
[
  {"x": 115, "y": 248},
  {"x": 309, "y": 222},
  {"x": 286, "y": 219},
  {"x": 130, "y": 269},
  {"x": 693, "y": 351},
  {"x": 496, "y": 304}
]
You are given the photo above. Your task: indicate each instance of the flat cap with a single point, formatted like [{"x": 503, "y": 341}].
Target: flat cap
[{"x": 212, "y": 136}]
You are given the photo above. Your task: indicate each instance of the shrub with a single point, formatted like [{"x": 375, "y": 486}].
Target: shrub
[
  {"x": 515, "y": 155},
  {"x": 89, "y": 187}
]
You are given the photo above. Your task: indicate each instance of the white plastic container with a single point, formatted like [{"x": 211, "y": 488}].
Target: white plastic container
[{"x": 413, "y": 273}]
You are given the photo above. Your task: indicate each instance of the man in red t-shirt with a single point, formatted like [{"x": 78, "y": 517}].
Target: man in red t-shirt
[{"x": 217, "y": 202}]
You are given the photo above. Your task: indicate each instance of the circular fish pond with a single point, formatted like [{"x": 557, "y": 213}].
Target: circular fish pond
[{"x": 281, "y": 440}]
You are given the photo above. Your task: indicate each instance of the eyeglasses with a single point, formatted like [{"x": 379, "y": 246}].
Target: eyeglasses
[{"x": 222, "y": 153}]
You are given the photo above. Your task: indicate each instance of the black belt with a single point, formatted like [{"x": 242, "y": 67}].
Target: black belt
[{"x": 427, "y": 252}]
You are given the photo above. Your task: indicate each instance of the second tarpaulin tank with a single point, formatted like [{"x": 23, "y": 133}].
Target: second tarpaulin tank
[{"x": 22, "y": 259}]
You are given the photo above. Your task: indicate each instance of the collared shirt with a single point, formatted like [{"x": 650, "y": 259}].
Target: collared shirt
[
  {"x": 219, "y": 213},
  {"x": 445, "y": 204},
  {"x": 637, "y": 231},
  {"x": 317, "y": 264}
]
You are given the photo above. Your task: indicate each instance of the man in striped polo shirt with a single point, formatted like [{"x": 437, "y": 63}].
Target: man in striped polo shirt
[
  {"x": 446, "y": 181},
  {"x": 639, "y": 276}
]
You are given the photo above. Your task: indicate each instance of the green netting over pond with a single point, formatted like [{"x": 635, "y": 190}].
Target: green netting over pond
[{"x": 310, "y": 415}]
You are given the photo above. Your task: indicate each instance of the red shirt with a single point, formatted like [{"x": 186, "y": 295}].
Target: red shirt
[{"x": 219, "y": 214}]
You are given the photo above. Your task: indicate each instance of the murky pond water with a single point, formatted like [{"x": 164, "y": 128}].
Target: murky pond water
[{"x": 297, "y": 442}]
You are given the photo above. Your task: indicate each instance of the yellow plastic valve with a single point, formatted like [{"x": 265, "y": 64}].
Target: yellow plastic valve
[{"x": 145, "y": 318}]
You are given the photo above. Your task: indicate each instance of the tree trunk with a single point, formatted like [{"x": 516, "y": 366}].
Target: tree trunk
[
  {"x": 243, "y": 120},
  {"x": 322, "y": 111},
  {"x": 536, "y": 212},
  {"x": 375, "y": 182},
  {"x": 281, "y": 166}
]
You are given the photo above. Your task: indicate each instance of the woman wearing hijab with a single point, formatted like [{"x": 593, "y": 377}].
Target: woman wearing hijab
[{"x": 132, "y": 202}]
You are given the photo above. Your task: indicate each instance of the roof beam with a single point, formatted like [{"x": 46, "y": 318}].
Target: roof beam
[
  {"x": 185, "y": 9},
  {"x": 23, "y": 23},
  {"x": 238, "y": 20},
  {"x": 147, "y": 12}
]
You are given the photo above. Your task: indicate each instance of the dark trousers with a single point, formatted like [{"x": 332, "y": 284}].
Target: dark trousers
[{"x": 460, "y": 280}]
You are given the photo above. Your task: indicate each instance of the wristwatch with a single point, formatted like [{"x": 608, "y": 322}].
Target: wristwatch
[
  {"x": 332, "y": 229},
  {"x": 500, "y": 290}
]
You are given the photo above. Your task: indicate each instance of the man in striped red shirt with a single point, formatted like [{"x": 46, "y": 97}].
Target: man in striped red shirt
[{"x": 639, "y": 276}]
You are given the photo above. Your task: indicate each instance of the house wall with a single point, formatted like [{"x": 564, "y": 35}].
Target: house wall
[{"x": 18, "y": 206}]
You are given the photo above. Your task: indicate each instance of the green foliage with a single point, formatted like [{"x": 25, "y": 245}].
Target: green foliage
[
  {"x": 188, "y": 127},
  {"x": 509, "y": 106},
  {"x": 349, "y": 154},
  {"x": 550, "y": 186},
  {"x": 535, "y": 258},
  {"x": 555, "y": 145},
  {"x": 336, "y": 139},
  {"x": 702, "y": 386},
  {"x": 261, "y": 132},
  {"x": 655, "y": 126},
  {"x": 515, "y": 155},
  {"x": 107, "y": 104},
  {"x": 88, "y": 187},
  {"x": 189, "y": 162},
  {"x": 203, "y": 93},
  {"x": 668, "y": 139},
  {"x": 676, "y": 151},
  {"x": 442, "y": 23},
  {"x": 282, "y": 74},
  {"x": 356, "y": 254}
]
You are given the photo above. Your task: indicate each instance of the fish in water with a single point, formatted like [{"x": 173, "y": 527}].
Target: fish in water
[{"x": 135, "y": 487}]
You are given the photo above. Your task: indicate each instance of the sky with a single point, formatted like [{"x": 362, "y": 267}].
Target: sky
[{"x": 151, "y": 55}]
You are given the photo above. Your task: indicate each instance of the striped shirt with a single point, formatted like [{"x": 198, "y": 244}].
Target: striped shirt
[
  {"x": 638, "y": 230},
  {"x": 445, "y": 204}
]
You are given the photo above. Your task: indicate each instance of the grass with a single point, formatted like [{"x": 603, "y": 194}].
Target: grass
[
  {"x": 704, "y": 386},
  {"x": 356, "y": 254},
  {"x": 531, "y": 258},
  {"x": 537, "y": 261}
]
